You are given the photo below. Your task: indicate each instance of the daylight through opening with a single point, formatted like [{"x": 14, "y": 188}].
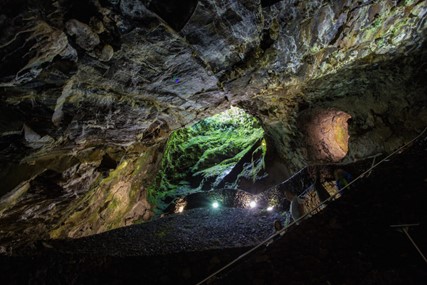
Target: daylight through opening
[{"x": 218, "y": 151}]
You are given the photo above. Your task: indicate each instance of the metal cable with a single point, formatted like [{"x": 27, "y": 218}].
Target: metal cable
[{"x": 308, "y": 214}]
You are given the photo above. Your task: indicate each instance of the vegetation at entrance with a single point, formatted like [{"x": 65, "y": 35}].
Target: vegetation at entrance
[{"x": 197, "y": 157}]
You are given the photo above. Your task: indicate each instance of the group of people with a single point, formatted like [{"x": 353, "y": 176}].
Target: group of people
[{"x": 297, "y": 210}]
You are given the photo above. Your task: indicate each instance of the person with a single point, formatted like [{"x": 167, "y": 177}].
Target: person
[
  {"x": 297, "y": 205},
  {"x": 342, "y": 178},
  {"x": 321, "y": 192},
  {"x": 277, "y": 225}
]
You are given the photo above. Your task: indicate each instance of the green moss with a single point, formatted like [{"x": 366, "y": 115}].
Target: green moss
[
  {"x": 314, "y": 49},
  {"x": 397, "y": 27},
  {"x": 104, "y": 198},
  {"x": 205, "y": 150},
  {"x": 377, "y": 23},
  {"x": 113, "y": 204},
  {"x": 373, "y": 30},
  {"x": 258, "y": 165}
]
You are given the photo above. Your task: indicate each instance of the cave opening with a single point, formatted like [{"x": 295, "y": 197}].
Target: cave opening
[
  {"x": 112, "y": 171},
  {"x": 218, "y": 152}
]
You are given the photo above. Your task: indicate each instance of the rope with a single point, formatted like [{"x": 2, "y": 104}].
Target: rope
[
  {"x": 306, "y": 191},
  {"x": 308, "y": 214},
  {"x": 373, "y": 162},
  {"x": 290, "y": 178},
  {"x": 414, "y": 244},
  {"x": 405, "y": 228}
]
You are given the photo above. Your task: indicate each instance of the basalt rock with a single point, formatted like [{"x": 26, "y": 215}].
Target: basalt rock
[{"x": 82, "y": 79}]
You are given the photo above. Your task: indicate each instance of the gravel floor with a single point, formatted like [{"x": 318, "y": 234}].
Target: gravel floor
[{"x": 193, "y": 230}]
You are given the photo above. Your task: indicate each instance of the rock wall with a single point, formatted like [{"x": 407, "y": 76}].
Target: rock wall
[
  {"x": 354, "y": 57},
  {"x": 81, "y": 79}
]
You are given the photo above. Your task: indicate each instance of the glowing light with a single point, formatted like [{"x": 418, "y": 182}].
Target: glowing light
[
  {"x": 215, "y": 205},
  {"x": 252, "y": 204},
  {"x": 270, "y": 208},
  {"x": 180, "y": 205}
]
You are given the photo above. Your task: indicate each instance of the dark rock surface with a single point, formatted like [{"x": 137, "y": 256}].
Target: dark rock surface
[
  {"x": 349, "y": 242},
  {"x": 80, "y": 80}
]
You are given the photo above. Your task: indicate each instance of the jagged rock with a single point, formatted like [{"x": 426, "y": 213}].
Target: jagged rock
[
  {"x": 47, "y": 43},
  {"x": 86, "y": 38},
  {"x": 107, "y": 53},
  {"x": 135, "y": 9},
  {"x": 138, "y": 74},
  {"x": 224, "y": 43},
  {"x": 97, "y": 25},
  {"x": 34, "y": 139}
]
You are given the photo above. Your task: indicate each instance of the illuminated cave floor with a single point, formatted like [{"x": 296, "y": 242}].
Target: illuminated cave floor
[
  {"x": 350, "y": 242},
  {"x": 193, "y": 230}
]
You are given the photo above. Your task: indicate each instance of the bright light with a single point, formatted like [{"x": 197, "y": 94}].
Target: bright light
[
  {"x": 215, "y": 205},
  {"x": 252, "y": 204},
  {"x": 270, "y": 208},
  {"x": 180, "y": 205}
]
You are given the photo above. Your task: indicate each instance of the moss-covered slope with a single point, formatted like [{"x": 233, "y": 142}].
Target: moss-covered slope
[{"x": 198, "y": 157}]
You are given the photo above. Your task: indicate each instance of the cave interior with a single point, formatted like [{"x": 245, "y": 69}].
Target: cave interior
[{"x": 166, "y": 134}]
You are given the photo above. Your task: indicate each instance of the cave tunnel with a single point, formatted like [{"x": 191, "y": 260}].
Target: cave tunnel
[
  {"x": 159, "y": 140},
  {"x": 221, "y": 151},
  {"x": 222, "y": 158}
]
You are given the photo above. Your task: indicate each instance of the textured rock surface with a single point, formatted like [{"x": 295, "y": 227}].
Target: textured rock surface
[
  {"x": 94, "y": 78},
  {"x": 325, "y": 133},
  {"x": 349, "y": 242}
]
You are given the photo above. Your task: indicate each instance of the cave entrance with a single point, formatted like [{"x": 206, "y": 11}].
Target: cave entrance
[{"x": 217, "y": 152}]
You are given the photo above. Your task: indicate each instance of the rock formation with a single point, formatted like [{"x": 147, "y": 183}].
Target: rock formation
[{"x": 91, "y": 90}]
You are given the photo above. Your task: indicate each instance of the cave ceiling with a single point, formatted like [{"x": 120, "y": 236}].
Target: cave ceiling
[{"x": 87, "y": 86}]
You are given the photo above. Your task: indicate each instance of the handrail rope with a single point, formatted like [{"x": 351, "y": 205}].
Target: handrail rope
[
  {"x": 335, "y": 164},
  {"x": 346, "y": 163},
  {"x": 308, "y": 214},
  {"x": 306, "y": 190},
  {"x": 293, "y": 175},
  {"x": 373, "y": 162},
  {"x": 272, "y": 187}
]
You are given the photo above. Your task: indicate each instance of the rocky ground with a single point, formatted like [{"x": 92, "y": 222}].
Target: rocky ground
[
  {"x": 193, "y": 230},
  {"x": 350, "y": 242}
]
